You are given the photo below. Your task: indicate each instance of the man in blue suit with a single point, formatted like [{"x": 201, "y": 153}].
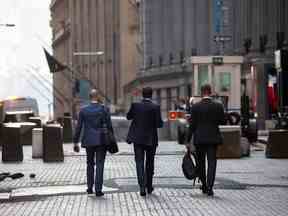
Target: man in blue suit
[
  {"x": 146, "y": 118},
  {"x": 92, "y": 119}
]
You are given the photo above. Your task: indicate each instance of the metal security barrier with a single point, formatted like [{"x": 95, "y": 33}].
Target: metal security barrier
[
  {"x": 37, "y": 143},
  {"x": 53, "y": 143},
  {"x": 12, "y": 150}
]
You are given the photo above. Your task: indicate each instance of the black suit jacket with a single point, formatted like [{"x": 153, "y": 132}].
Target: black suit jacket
[
  {"x": 206, "y": 116},
  {"x": 146, "y": 118}
]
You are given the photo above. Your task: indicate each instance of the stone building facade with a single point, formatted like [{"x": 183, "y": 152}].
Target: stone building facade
[
  {"x": 171, "y": 31},
  {"x": 108, "y": 27},
  {"x": 147, "y": 42}
]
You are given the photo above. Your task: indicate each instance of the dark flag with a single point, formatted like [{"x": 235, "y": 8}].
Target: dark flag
[{"x": 54, "y": 64}]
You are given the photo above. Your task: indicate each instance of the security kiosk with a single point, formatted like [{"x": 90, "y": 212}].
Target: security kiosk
[{"x": 223, "y": 73}]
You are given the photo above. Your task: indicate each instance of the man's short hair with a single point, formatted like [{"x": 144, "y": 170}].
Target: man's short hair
[
  {"x": 206, "y": 89},
  {"x": 147, "y": 92}
]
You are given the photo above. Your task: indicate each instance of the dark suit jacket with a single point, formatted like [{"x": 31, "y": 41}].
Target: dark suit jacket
[
  {"x": 146, "y": 118},
  {"x": 91, "y": 119},
  {"x": 206, "y": 116}
]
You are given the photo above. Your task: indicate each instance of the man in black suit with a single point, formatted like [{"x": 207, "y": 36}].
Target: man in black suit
[
  {"x": 206, "y": 116},
  {"x": 146, "y": 118}
]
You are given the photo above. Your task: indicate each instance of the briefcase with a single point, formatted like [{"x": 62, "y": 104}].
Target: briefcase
[{"x": 109, "y": 139}]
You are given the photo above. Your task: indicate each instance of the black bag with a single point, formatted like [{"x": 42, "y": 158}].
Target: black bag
[
  {"x": 189, "y": 166},
  {"x": 109, "y": 140},
  {"x": 108, "y": 137}
]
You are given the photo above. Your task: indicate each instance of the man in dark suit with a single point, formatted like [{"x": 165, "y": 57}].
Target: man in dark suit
[
  {"x": 146, "y": 118},
  {"x": 206, "y": 116},
  {"x": 92, "y": 119}
]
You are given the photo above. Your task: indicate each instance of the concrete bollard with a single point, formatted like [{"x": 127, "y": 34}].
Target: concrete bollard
[
  {"x": 37, "y": 143},
  {"x": 231, "y": 147},
  {"x": 277, "y": 144},
  {"x": 12, "y": 150},
  {"x": 53, "y": 143}
]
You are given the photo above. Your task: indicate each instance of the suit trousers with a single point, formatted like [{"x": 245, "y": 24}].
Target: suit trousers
[
  {"x": 100, "y": 153},
  {"x": 145, "y": 173},
  {"x": 210, "y": 151}
]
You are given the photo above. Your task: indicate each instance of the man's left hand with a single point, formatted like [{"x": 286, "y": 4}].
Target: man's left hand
[{"x": 76, "y": 148}]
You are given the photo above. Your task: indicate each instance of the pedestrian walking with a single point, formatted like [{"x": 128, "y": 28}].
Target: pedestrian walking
[
  {"x": 92, "y": 119},
  {"x": 146, "y": 118},
  {"x": 206, "y": 116}
]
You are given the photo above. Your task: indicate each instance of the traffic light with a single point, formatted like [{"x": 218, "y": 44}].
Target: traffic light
[
  {"x": 263, "y": 42},
  {"x": 247, "y": 45},
  {"x": 280, "y": 37}
]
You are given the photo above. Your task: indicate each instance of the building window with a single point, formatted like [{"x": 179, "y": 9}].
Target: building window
[
  {"x": 182, "y": 56},
  {"x": 150, "y": 61},
  {"x": 169, "y": 99},
  {"x": 177, "y": 93},
  {"x": 160, "y": 60},
  {"x": 193, "y": 52},
  {"x": 189, "y": 89},
  {"x": 171, "y": 58},
  {"x": 225, "y": 81},
  {"x": 158, "y": 96},
  {"x": 203, "y": 76}
]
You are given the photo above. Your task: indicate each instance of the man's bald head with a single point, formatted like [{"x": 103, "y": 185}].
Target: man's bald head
[{"x": 95, "y": 95}]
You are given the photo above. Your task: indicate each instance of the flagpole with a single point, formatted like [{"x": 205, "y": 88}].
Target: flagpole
[{"x": 56, "y": 66}]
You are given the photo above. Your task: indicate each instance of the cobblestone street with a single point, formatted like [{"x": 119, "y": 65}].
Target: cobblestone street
[{"x": 249, "y": 186}]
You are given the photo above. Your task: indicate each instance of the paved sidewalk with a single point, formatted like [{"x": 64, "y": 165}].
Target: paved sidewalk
[{"x": 250, "y": 186}]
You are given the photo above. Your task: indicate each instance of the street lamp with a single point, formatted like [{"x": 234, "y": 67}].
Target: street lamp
[{"x": 98, "y": 53}]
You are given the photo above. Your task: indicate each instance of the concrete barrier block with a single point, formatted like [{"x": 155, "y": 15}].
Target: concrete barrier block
[
  {"x": 12, "y": 150},
  {"x": 277, "y": 146},
  {"x": 52, "y": 143},
  {"x": 231, "y": 147}
]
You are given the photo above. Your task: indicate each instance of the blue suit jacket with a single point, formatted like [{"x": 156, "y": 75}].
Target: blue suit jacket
[
  {"x": 91, "y": 119},
  {"x": 146, "y": 118}
]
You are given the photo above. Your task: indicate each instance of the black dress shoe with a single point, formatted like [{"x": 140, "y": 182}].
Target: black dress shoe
[
  {"x": 16, "y": 175},
  {"x": 89, "y": 191},
  {"x": 204, "y": 189},
  {"x": 99, "y": 194},
  {"x": 150, "y": 190},
  {"x": 142, "y": 191},
  {"x": 210, "y": 192}
]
